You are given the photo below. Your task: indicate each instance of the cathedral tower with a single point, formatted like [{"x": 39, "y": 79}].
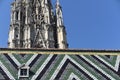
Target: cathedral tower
[{"x": 34, "y": 24}]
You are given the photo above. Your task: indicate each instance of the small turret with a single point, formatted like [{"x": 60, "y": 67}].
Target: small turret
[
  {"x": 59, "y": 14},
  {"x": 61, "y": 32}
]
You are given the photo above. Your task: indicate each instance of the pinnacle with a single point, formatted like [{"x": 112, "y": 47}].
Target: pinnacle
[{"x": 58, "y": 2}]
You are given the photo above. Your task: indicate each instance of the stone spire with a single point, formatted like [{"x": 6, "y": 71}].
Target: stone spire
[
  {"x": 61, "y": 32},
  {"x": 34, "y": 25}
]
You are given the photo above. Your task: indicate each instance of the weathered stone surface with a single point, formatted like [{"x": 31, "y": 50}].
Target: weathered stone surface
[{"x": 35, "y": 25}]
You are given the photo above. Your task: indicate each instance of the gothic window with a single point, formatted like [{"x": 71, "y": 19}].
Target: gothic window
[
  {"x": 21, "y": 16},
  {"x": 17, "y": 15},
  {"x": 24, "y": 19},
  {"x": 39, "y": 17},
  {"x": 16, "y": 32}
]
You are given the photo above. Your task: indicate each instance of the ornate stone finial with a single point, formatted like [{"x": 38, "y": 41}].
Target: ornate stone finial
[{"x": 58, "y": 2}]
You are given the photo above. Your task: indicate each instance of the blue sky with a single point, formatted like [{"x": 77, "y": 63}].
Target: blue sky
[{"x": 90, "y": 24}]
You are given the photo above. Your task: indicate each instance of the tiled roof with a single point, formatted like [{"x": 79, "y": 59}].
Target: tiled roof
[{"x": 60, "y": 64}]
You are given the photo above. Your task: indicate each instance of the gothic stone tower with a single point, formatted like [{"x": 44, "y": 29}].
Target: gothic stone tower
[{"x": 34, "y": 24}]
